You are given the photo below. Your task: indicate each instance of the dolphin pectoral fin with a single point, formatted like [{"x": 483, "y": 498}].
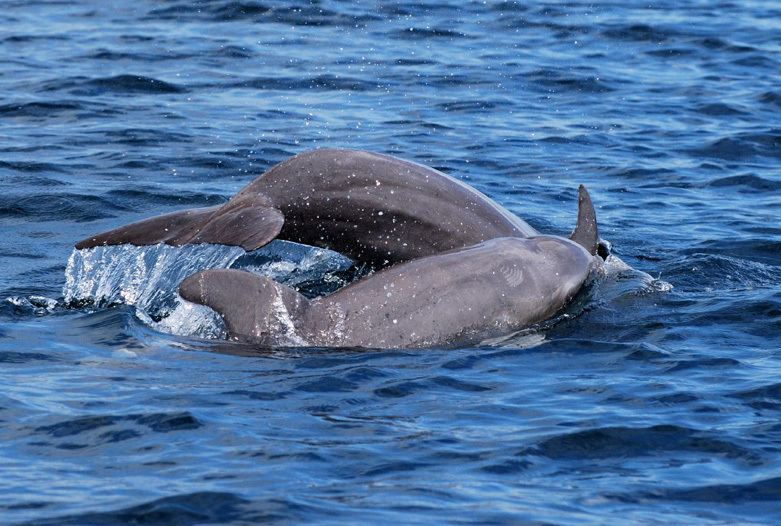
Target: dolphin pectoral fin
[
  {"x": 249, "y": 227},
  {"x": 174, "y": 229},
  {"x": 586, "y": 233},
  {"x": 252, "y": 306}
]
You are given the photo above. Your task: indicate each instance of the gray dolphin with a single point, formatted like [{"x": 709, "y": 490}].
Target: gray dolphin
[
  {"x": 462, "y": 296},
  {"x": 461, "y": 267},
  {"x": 374, "y": 208}
]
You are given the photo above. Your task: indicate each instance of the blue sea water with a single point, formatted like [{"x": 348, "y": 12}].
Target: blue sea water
[{"x": 657, "y": 401}]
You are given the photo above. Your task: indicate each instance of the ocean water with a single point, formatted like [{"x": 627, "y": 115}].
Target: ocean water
[{"x": 655, "y": 400}]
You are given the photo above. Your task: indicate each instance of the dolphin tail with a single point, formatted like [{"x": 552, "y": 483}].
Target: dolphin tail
[
  {"x": 586, "y": 233},
  {"x": 253, "y": 306},
  {"x": 249, "y": 226}
]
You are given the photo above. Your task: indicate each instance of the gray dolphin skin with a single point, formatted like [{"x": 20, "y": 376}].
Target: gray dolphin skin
[
  {"x": 462, "y": 297},
  {"x": 457, "y": 267},
  {"x": 373, "y": 208}
]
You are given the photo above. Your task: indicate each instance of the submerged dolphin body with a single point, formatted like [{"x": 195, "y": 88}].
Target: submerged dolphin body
[
  {"x": 460, "y": 268},
  {"x": 373, "y": 208}
]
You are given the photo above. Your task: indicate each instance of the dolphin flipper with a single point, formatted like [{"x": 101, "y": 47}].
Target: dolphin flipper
[
  {"x": 249, "y": 227},
  {"x": 251, "y": 305},
  {"x": 586, "y": 233}
]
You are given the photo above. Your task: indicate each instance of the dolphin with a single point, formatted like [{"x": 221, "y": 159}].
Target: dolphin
[
  {"x": 458, "y": 267},
  {"x": 461, "y": 296},
  {"x": 374, "y": 208}
]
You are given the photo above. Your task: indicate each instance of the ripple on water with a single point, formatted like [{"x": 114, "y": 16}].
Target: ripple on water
[
  {"x": 125, "y": 84},
  {"x": 620, "y": 443},
  {"x": 764, "y": 397},
  {"x": 766, "y": 490},
  {"x": 318, "y": 83},
  {"x": 93, "y": 431},
  {"x": 642, "y": 406},
  {"x": 742, "y": 147},
  {"x": 189, "y": 508},
  {"x": 60, "y": 206}
]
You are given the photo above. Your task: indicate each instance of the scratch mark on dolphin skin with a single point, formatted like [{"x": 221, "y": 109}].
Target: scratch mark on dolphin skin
[{"x": 512, "y": 274}]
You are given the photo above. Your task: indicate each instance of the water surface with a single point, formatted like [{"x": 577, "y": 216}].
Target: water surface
[{"x": 652, "y": 405}]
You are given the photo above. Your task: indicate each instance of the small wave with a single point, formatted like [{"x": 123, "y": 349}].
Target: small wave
[
  {"x": 135, "y": 84},
  {"x": 639, "y": 33},
  {"x": 236, "y": 11},
  {"x": 564, "y": 81},
  {"x": 328, "y": 385},
  {"x": 627, "y": 442},
  {"x": 146, "y": 137},
  {"x": 719, "y": 272},
  {"x": 116, "y": 56},
  {"x": 319, "y": 83},
  {"x": 92, "y": 431},
  {"x": 467, "y": 106},
  {"x": 190, "y": 508},
  {"x": 25, "y": 357},
  {"x": 766, "y": 252},
  {"x": 765, "y": 397},
  {"x": 742, "y": 147},
  {"x": 127, "y": 84},
  {"x": 770, "y": 97},
  {"x": 407, "y": 388},
  {"x": 720, "y": 43},
  {"x": 148, "y": 197},
  {"x": 701, "y": 364},
  {"x": 748, "y": 182},
  {"x": 417, "y": 33},
  {"x": 35, "y": 38},
  {"x": 38, "y": 110},
  {"x": 767, "y": 490},
  {"x": 670, "y": 52},
  {"x": 233, "y": 52},
  {"x": 55, "y": 207},
  {"x": 757, "y": 62},
  {"x": 30, "y": 167},
  {"x": 719, "y": 109}
]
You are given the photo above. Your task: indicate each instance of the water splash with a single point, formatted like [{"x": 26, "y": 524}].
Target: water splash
[
  {"x": 39, "y": 305},
  {"x": 621, "y": 279},
  {"x": 188, "y": 319},
  {"x": 310, "y": 270},
  {"x": 147, "y": 278}
]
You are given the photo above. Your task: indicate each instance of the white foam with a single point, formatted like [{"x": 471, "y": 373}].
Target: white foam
[{"x": 631, "y": 279}]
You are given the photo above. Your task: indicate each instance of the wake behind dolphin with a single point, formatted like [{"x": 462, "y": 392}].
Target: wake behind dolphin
[{"x": 458, "y": 267}]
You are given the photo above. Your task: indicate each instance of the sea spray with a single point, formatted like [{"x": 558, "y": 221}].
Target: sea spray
[{"x": 147, "y": 278}]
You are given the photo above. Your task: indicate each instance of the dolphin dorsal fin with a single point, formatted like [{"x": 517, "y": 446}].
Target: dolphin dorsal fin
[{"x": 586, "y": 233}]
